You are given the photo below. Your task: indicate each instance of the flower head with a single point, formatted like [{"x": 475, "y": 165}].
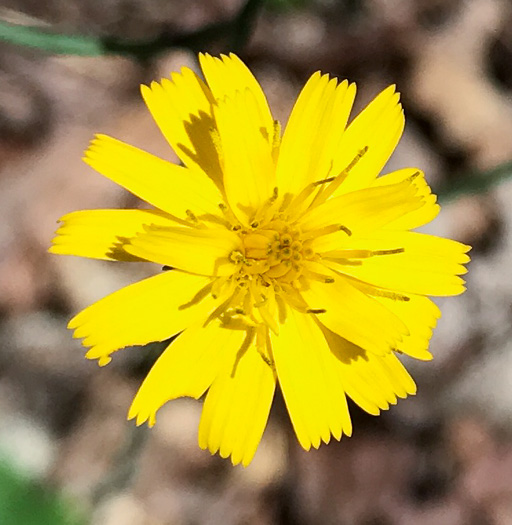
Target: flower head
[{"x": 291, "y": 261}]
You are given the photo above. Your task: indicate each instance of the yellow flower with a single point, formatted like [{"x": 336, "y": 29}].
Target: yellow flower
[{"x": 291, "y": 261}]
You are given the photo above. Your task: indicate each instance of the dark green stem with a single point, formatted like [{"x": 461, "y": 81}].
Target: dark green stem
[
  {"x": 244, "y": 25},
  {"x": 50, "y": 42},
  {"x": 476, "y": 182},
  {"x": 238, "y": 29},
  {"x": 125, "y": 464}
]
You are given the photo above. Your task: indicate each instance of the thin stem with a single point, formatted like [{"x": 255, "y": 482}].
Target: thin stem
[
  {"x": 475, "y": 182},
  {"x": 244, "y": 25},
  {"x": 125, "y": 464},
  {"x": 50, "y": 42},
  {"x": 239, "y": 28}
]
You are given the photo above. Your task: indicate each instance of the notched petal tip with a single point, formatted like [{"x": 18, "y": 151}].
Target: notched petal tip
[
  {"x": 246, "y": 462},
  {"x": 141, "y": 415},
  {"x": 101, "y": 137},
  {"x": 104, "y": 360},
  {"x": 74, "y": 322},
  {"x": 132, "y": 411},
  {"x": 144, "y": 90},
  {"x": 410, "y": 392}
]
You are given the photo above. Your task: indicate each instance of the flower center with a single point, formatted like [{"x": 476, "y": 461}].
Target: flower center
[{"x": 274, "y": 252}]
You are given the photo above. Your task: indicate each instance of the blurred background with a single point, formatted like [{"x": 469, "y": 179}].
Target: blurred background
[{"x": 69, "y": 69}]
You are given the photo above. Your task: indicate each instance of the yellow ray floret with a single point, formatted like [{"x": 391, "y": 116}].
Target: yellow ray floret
[
  {"x": 245, "y": 150},
  {"x": 379, "y": 128},
  {"x": 171, "y": 188},
  {"x": 228, "y": 75},
  {"x": 314, "y": 132},
  {"x": 310, "y": 382},
  {"x": 203, "y": 349},
  {"x": 417, "y": 217},
  {"x": 182, "y": 109},
  {"x": 202, "y": 251},
  {"x": 289, "y": 260},
  {"x": 410, "y": 262},
  {"x": 102, "y": 234},
  {"x": 237, "y": 405},
  {"x": 151, "y": 310}
]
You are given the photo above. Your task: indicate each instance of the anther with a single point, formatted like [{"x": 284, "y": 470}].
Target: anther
[
  {"x": 236, "y": 256},
  {"x": 326, "y": 230},
  {"x": 276, "y": 136},
  {"x": 323, "y": 181},
  {"x": 388, "y": 252},
  {"x": 286, "y": 239},
  {"x": 191, "y": 215},
  {"x": 228, "y": 214},
  {"x": 264, "y": 300},
  {"x": 326, "y": 192},
  {"x": 275, "y": 246},
  {"x": 266, "y": 359},
  {"x": 316, "y": 311},
  {"x": 357, "y": 158}
]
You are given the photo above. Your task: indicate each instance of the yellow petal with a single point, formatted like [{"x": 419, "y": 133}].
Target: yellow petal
[
  {"x": 311, "y": 386},
  {"x": 237, "y": 406},
  {"x": 420, "y": 315},
  {"x": 227, "y": 75},
  {"x": 418, "y": 217},
  {"x": 379, "y": 128},
  {"x": 313, "y": 133},
  {"x": 249, "y": 178},
  {"x": 151, "y": 310},
  {"x": 365, "y": 210},
  {"x": 101, "y": 234},
  {"x": 181, "y": 107},
  {"x": 373, "y": 382},
  {"x": 187, "y": 367},
  {"x": 354, "y": 315},
  {"x": 428, "y": 265},
  {"x": 202, "y": 251},
  {"x": 167, "y": 186}
]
